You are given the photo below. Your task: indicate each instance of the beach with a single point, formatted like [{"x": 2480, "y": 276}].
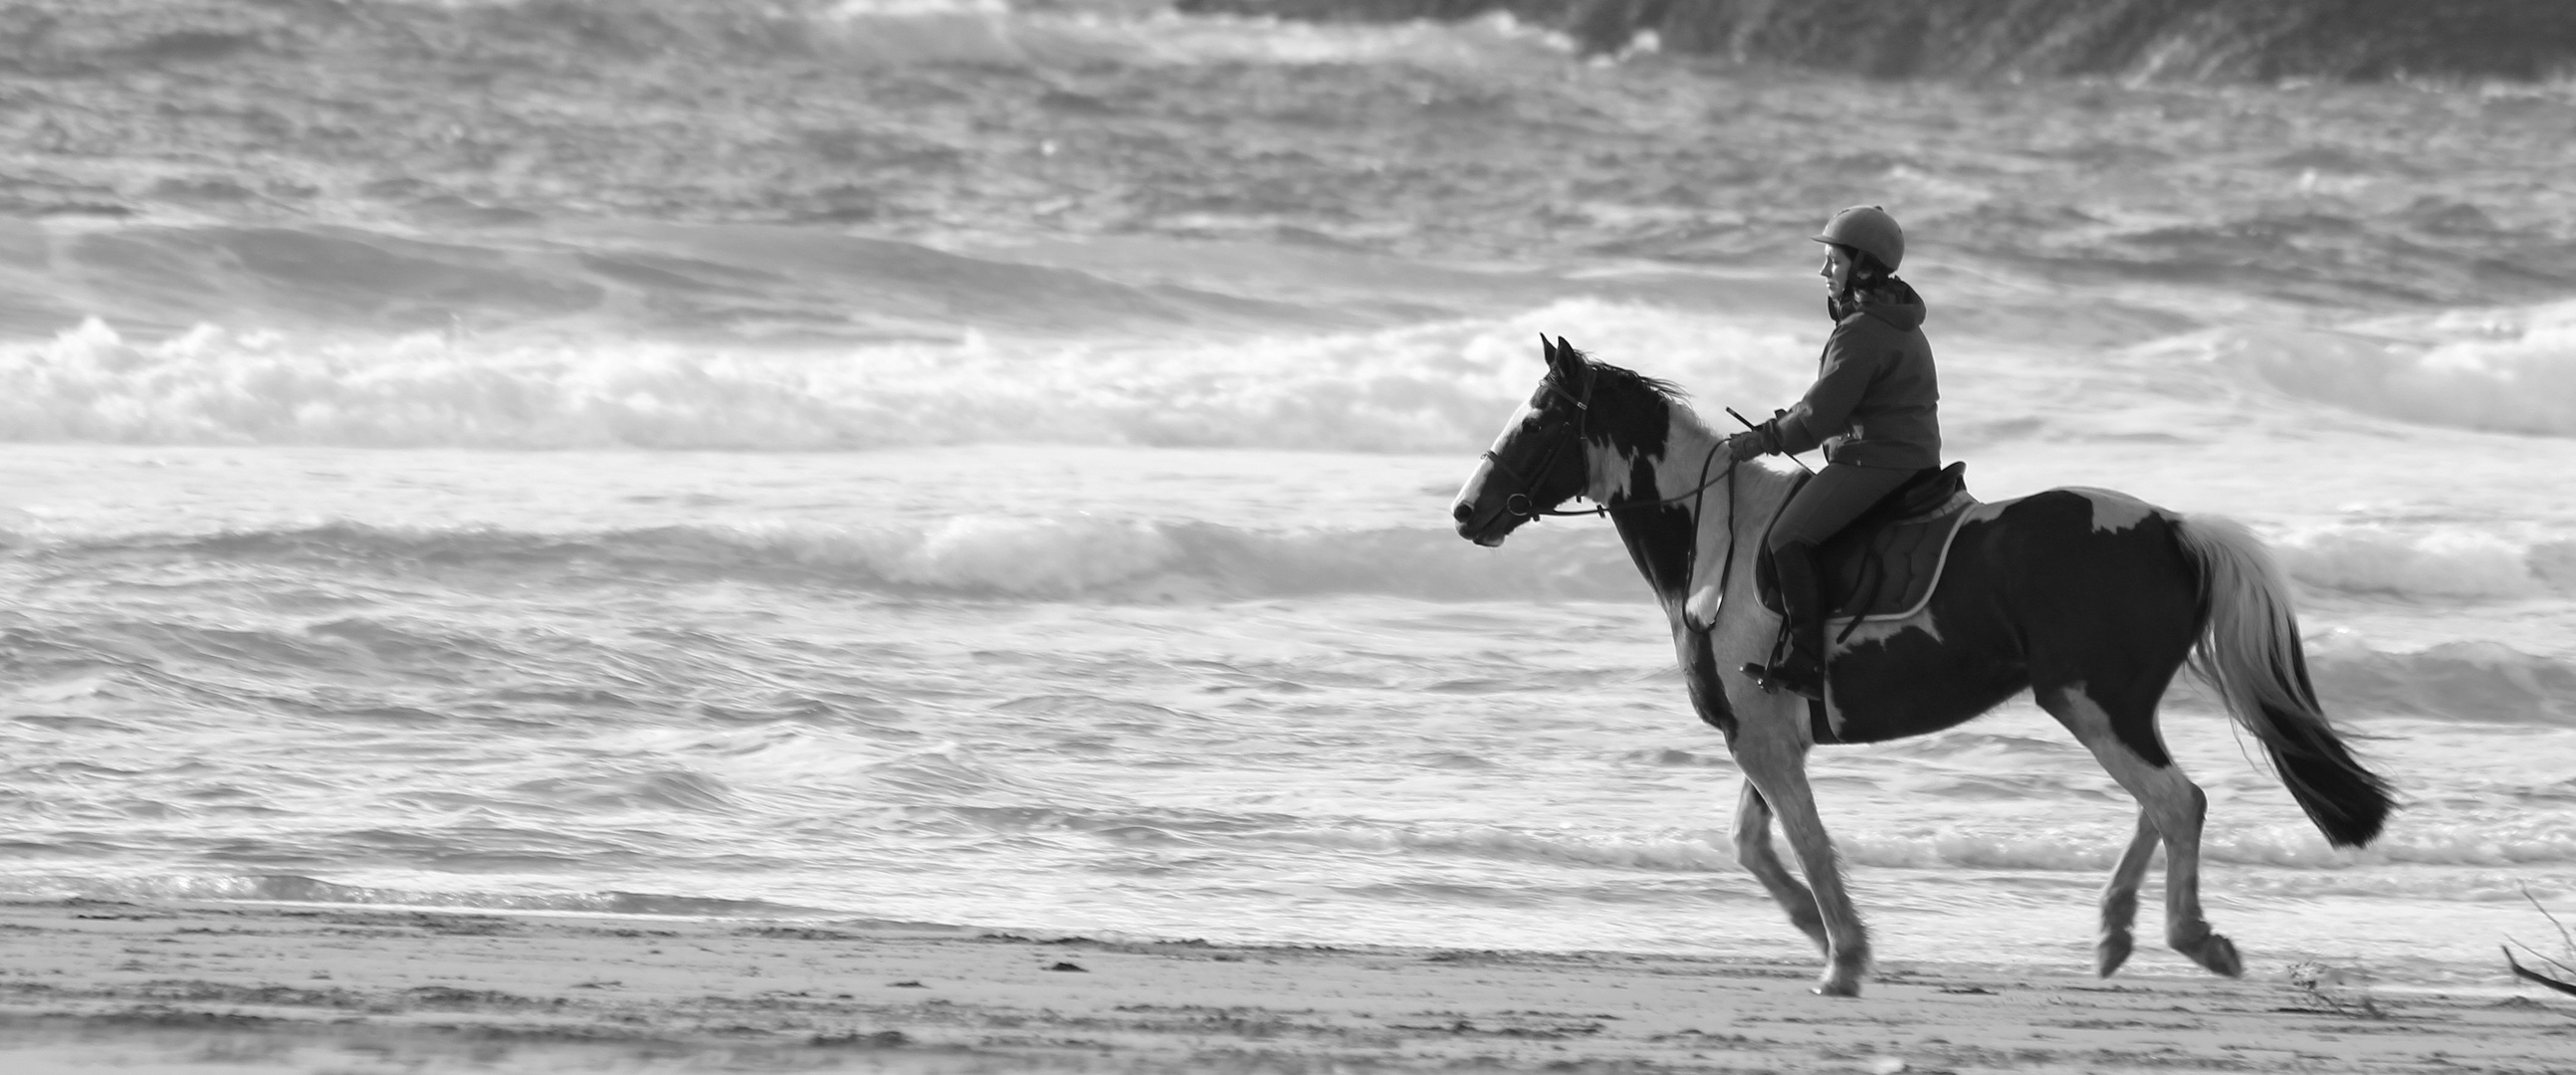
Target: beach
[
  {"x": 203, "y": 988},
  {"x": 561, "y": 535}
]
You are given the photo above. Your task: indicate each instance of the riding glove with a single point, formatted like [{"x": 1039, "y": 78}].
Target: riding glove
[{"x": 1758, "y": 440}]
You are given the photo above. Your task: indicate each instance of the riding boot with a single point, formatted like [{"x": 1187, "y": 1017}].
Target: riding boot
[{"x": 1800, "y": 667}]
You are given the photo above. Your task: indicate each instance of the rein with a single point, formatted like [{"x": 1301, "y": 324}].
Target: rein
[{"x": 1706, "y": 483}]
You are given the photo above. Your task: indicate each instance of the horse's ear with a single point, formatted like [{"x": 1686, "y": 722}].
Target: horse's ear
[{"x": 1559, "y": 353}]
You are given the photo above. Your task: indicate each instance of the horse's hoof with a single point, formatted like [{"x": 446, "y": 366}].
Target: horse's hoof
[
  {"x": 2110, "y": 952},
  {"x": 1835, "y": 985},
  {"x": 2210, "y": 950},
  {"x": 1842, "y": 976},
  {"x": 2219, "y": 954}
]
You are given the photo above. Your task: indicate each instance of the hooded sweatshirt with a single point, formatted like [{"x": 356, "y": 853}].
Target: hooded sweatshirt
[{"x": 1875, "y": 399}]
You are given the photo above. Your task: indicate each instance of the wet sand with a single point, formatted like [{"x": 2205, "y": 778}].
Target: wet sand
[{"x": 208, "y": 988}]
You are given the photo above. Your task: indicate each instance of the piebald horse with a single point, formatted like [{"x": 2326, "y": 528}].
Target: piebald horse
[{"x": 2089, "y": 599}]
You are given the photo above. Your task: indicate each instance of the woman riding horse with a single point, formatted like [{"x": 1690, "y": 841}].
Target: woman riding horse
[{"x": 1874, "y": 408}]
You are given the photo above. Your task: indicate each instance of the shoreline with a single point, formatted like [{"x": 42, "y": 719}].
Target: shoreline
[{"x": 206, "y": 987}]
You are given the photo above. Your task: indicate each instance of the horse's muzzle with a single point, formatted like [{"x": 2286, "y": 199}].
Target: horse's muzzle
[{"x": 1488, "y": 530}]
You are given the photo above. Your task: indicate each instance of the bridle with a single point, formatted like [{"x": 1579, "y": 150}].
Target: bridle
[{"x": 1519, "y": 504}]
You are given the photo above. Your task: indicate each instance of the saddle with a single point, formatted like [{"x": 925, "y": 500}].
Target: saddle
[{"x": 1886, "y": 562}]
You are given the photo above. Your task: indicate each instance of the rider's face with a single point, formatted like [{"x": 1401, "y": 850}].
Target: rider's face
[{"x": 1836, "y": 271}]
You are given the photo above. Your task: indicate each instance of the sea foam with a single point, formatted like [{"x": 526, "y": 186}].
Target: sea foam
[
  {"x": 1444, "y": 386},
  {"x": 2009, "y": 845}
]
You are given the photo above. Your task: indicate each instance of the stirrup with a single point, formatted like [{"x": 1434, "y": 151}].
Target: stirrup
[{"x": 1779, "y": 677}]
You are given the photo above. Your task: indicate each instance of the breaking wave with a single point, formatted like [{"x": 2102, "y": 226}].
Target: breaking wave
[
  {"x": 2437, "y": 564},
  {"x": 1081, "y": 557},
  {"x": 1082, "y": 554},
  {"x": 2506, "y": 371},
  {"x": 2486, "y": 682},
  {"x": 1440, "y": 386}
]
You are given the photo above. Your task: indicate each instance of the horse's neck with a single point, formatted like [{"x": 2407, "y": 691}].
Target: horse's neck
[
  {"x": 1735, "y": 528},
  {"x": 1665, "y": 507},
  {"x": 1715, "y": 516},
  {"x": 1691, "y": 455}
]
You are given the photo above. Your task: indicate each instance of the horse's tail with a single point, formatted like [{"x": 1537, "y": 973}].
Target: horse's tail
[{"x": 2249, "y": 653}]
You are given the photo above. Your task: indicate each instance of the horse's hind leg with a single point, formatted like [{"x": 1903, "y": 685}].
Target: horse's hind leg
[
  {"x": 1753, "y": 850},
  {"x": 2120, "y": 897},
  {"x": 2168, "y": 802},
  {"x": 1776, "y": 766}
]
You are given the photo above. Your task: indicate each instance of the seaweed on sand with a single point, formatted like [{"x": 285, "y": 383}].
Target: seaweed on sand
[{"x": 2566, "y": 981}]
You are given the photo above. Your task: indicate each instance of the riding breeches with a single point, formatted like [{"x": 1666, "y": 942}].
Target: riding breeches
[{"x": 1829, "y": 501}]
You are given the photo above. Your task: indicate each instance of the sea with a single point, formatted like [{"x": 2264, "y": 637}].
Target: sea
[{"x": 984, "y": 466}]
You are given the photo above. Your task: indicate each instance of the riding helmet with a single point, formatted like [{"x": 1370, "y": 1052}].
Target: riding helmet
[{"x": 1868, "y": 229}]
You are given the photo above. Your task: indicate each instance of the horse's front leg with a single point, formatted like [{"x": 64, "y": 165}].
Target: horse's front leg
[
  {"x": 1775, "y": 765},
  {"x": 1754, "y": 852},
  {"x": 1753, "y": 848}
]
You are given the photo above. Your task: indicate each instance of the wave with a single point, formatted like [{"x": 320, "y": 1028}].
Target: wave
[
  {"x": 2485, "y": 682},
  {"x": 2193, "y": 39},
  {"x": 1691, "y": 853},
  {"x": 413, "y": 166},
  {"x": 87, "y": 36},
  {"x": 1081, "y": 557},
  {"x": 296, "y": 888},
  {"x": 2503, "y": 370},
  {"x": 2326, "y": 234},
  {"x": 1082, "y": 554},
  {"x": 457, "y": 119},
  {"x": 2291, "y": 846},
  {"x": 1441, "y": 386},
  {"x": 2442, "y": 563},
  {"x": 1064, "y": 557},
  {"x": 740, "y": 283}
]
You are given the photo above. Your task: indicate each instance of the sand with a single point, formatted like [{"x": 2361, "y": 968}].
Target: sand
[{"x": 206, "y": 988}]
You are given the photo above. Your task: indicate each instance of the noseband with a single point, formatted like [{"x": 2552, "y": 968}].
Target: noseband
[{"x": 1519, "y": 504}]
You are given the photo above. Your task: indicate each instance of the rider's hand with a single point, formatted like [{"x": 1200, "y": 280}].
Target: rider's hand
[{"x": 1746, "y": 445}]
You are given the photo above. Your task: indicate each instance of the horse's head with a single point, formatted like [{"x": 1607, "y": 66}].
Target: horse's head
[{"x": 1545, "y": 455}]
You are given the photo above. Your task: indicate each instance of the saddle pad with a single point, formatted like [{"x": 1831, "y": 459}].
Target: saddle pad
[{"x": 1881, "y": 572}]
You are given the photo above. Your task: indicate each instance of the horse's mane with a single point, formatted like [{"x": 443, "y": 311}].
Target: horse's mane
[{"x": 1665, "y": 390}]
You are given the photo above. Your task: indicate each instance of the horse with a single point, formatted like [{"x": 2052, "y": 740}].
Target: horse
[{"x": 2090, "y": 599}]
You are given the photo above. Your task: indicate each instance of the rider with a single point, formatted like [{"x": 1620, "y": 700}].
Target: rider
[{"x": 1872, "y": 408}]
